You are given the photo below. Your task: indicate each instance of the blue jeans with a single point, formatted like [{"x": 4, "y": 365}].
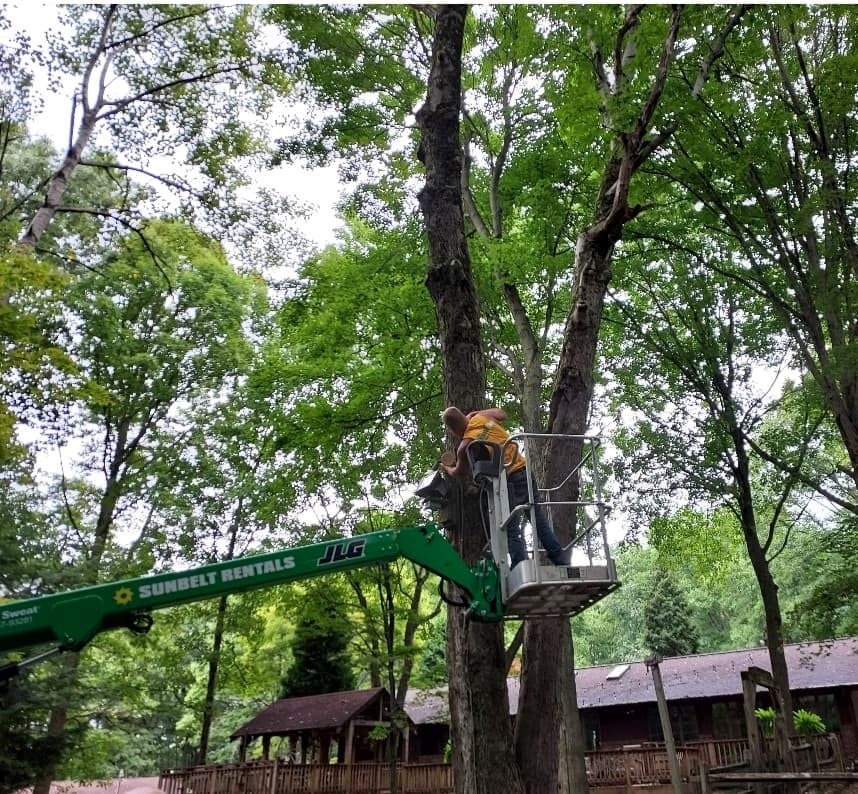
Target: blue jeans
[{"x": 516, "y": 485}]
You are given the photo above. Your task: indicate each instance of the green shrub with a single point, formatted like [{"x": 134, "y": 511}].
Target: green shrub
[
  {"x": 806, "y": 722},
  {"x": 766, "y": 718}
]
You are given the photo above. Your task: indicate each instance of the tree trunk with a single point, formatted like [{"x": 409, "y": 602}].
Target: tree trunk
[
  {"x": 573, "y": 743},
  {"x": 58, "y": 718},
  {"x": 481, "y": 735},
  {"x": 548, "y": 672},
  {"x": 540, "y": 704},
  {"x": 217, "y": 641},
  {"x": 765, "y": 580},
  {"x": 59, "y": 182},
  {"x": 60, "y": 178},
  {"x": 211, "y": 683}
]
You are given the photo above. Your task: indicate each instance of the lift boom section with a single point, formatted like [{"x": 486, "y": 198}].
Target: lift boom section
[
  {"x": 492, "y": 590},
  {"x": 71, "y": 619}
]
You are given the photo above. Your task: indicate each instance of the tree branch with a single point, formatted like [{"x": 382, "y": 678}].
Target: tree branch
[{"x": 716, "y": 49}]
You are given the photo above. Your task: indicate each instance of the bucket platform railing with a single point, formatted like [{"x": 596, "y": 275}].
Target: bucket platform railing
[{"x": 574, "y": 505}]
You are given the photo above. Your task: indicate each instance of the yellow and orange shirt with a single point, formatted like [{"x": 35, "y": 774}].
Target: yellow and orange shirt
[{"x": 482, "y": 428}]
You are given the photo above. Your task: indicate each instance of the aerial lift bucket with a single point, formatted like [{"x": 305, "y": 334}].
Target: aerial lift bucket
[{"x": 533, "y": 588}]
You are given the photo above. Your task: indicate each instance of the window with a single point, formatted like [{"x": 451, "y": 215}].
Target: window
[
  {"x": 617, "y": 672},
  {"x": 683, "y": 722},
  {"x": 824, "y": 705},
  {"x": 592, "y": 731}
]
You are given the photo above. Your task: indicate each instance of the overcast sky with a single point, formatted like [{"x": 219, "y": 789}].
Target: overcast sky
[{"x": 318, "y": 187}]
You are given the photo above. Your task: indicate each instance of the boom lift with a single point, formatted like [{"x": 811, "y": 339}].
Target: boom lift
[
  {"x": 73, "y": 618},
  {"x": 490, "y": 590}
]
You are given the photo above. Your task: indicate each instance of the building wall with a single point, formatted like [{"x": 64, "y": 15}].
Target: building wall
[{"x": 613, "y": 727}]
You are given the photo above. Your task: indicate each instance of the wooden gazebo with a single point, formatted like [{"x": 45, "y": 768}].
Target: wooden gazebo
[{"x": 316, "y": 724}]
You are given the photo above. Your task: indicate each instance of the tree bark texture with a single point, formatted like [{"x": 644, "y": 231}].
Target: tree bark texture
[
  {"x": 59, "y": 182},
  {"x": 573, "y": 743},
  {"x": 211, "y": 682},
  {"x": 540, "y": 704},
  {"x": 548, "y": 672},
  {"x": 449, "y": 278},
  {"x": 481, "y": 735}
]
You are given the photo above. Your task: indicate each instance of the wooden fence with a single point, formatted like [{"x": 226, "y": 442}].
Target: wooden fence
[
  {"x": 637, "y": 766},
  {"x": 279, "y": 777},
  {"x": 814, "y": 752},
  {"x": 624, "y": 767}
]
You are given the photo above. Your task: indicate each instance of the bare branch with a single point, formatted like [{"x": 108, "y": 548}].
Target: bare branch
[
  {"x": 124, "y": 44},
  {"x": 126, "y": 224},
  {"x": 96, "y": 53},
  {"x": 598, "y": 62},
  {"x": 624, "y": 50},
  {"x": 121, "y": 104},
  {"x": 795, "y": 472},
  {"x": 185, "y": 187},
  {"x": 716, "y": 48},
  {"x": 667, "y": 54},
  {"x": 468, "y": 201}
]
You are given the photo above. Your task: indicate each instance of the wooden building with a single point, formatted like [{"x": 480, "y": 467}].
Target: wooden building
[
  {"x": 704, "y": 692},
  {"x": 333, "y": 728},
  {"x": 617, "y": 705},
  {"x": 618, "y": 710}
]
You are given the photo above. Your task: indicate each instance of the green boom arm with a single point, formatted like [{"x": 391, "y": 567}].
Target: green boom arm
[{"x": 72, "y": 619}]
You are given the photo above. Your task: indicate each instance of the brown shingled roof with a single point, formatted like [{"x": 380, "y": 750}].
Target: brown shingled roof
[
  {"x": 812, "y": 666},
  {"x": 313, "y": 712}
]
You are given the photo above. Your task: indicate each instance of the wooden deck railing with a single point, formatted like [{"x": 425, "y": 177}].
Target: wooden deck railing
[
  {"x": 814, "y": 752},
  {"x": 278, "y": 777},
  {"x": 636, "y": 766},
  {"x": 630, "y": 766}
]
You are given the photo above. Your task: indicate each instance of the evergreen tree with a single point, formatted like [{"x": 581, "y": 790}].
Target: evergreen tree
[
  {"x": 668, "y": 630},
  {"x": 320, "y": 661}
]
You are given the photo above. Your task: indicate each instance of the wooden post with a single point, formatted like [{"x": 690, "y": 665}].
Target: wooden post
[
  {"x": 628, "y": 771},
  {"x": 276, "y": 771},
  {"x": 704, "y": 778},
  {"x": 664, "y": 715},
  {"x": 749, "y": 694},
  {"x": 751, "y": 678},
  {"x": 350, "y": 741}
]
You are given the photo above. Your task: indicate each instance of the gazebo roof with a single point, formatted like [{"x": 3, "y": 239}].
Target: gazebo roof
[{"x": 313, "y": 712}]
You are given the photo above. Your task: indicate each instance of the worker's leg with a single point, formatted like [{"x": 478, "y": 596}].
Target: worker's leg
[
  {"x": 517, "y": 484},
  {"x": 515, "y": 542},
  {"x": 547, "y": 538},
  {"x": 514, "y": 539}
]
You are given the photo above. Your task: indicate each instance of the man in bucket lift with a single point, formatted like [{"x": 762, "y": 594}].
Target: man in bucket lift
[{"x": 486, "y": 425}]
